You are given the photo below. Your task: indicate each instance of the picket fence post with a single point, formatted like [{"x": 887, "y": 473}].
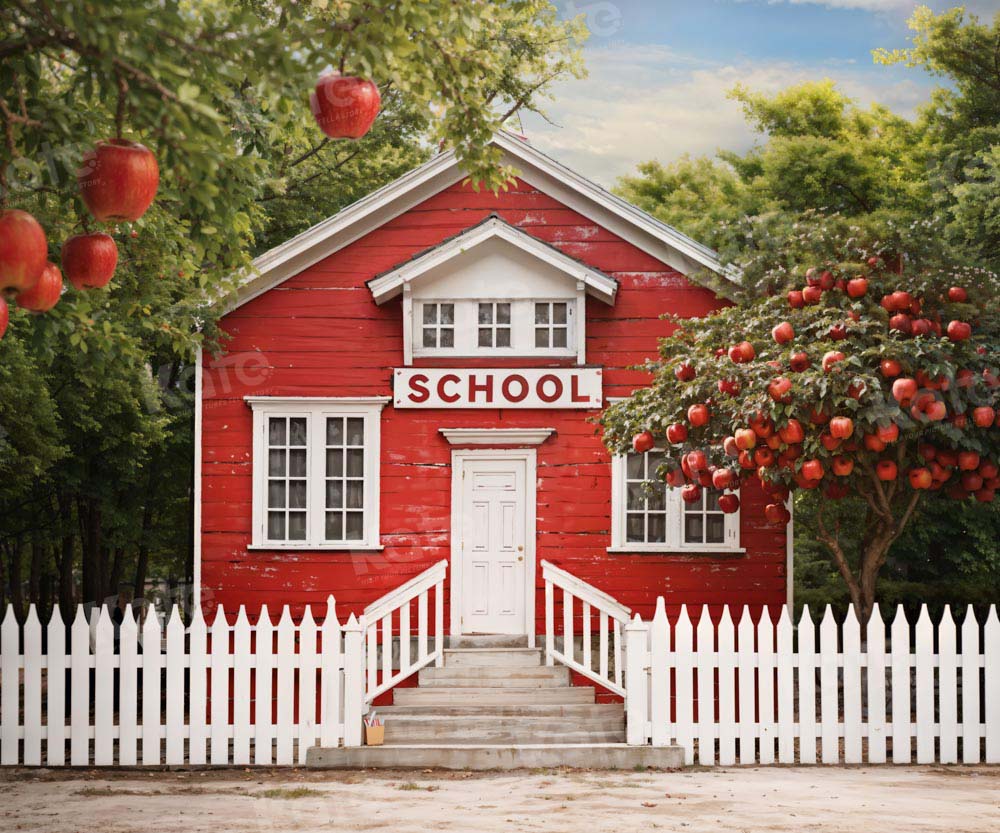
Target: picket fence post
[
  {"x": 636, "y": 681},
  {"x": 354, "y": 681}
]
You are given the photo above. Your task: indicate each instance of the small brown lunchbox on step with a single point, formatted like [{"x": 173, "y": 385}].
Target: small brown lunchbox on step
[{"x": 375, "y": 735}]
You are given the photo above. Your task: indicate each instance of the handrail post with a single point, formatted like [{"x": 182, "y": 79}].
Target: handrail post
[
  {"x": 354, "y": 681},
  {"x": 636, "y": 681},
  {"x": 550, "y": 624}
]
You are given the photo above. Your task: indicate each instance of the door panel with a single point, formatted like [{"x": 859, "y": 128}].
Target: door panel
[{"x": 492, "y": 546}]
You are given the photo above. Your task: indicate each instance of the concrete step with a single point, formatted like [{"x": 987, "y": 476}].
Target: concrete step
[
  {"x": 498, "y": 756},
  {"x": 448, "y": 696},
  {"x": 489, "y": 677},
  {"x": 487, "y": 641},
  {"x": 497, "y": 729},
  {"x": 492, "y": 657},
  {"x": 583, "y": 712}
]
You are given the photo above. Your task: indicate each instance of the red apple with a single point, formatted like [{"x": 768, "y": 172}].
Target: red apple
[
  {"x": 812, "y": 470},
  {"x": 890, "y": 368},
  {"x": 776, "y": 513},
  {"x": 968, "y": 460},
  {"x": 936, "y": 411},
  {"x": 676, "y": 433},
  {"x": 903, "y": 390},
  {"x": 691, "y": 493},
  {"x": 118, "y": 180},
  {"x": 901, "y": 301},
  {"x": 983, "y": 416},
  {"x": 778, "y": 389},
  {"x": 901, "y": 323},
  {"x": 887, "y": 433},
  {"x": 783, "y": 332},
  {"x": 23, "y": 250},
  {"x": 957, "y": 295},
  {"x": 89, "y": 260},
  {"x": 4, "y": 316},
  {"x": 795, "y": 300},
  {"x": 723, "y": 479},
  {"x": 696, "y": 460},
  {"x": 799, "y": 362},
  {"x": 873, "y": 443},
  {"x": 742, "y": 353},
  {"x": 920, "y": 478},
  {"x": 838, "y": 332},
  {"x": 676, "y": 477},
  {"x": 841, "y": 427},
  {"x": 812, "y": 295},
  {"x": 985, "y": 495},
  {"x": 886, "y": 470},
  {"x": 791, "y": 432},
  {"x": 643, "y": 442},
  {"x": 729, "y": 503},
  {"x": 831, "y": 358},
  {"x": 959, "y": 331},
  {"x": 344, "y": 106},
  {"x": 45, "y": 293},
  {"x": 857, "y": 287},
  {"x": 698, "y": 415},
  {"x": 842, "y": 466},
  {"x": 971, "y": 481},
  {"x": 684, "y": 372},
  {"x": 730, "y": 387},
  {"x": 730, "y": 447},
  {"x": 745, "y": 439},
  {"x": 763, "y": 457}
]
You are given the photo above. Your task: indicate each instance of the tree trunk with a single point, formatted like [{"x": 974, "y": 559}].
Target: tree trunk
[
  {"x": 16, "y": 597},
  {"x": 35, "y": 572},
  {"x": 67, "y": 550},
  {"x": 89, "y": 510}
]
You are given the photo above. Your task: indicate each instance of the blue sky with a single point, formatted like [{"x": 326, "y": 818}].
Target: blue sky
[{"x": 659, "y": 72}]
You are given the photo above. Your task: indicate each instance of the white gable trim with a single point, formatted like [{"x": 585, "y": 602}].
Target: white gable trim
[
  {"x": 657, "y": 239},
  {"x": 388, "y": 286}
]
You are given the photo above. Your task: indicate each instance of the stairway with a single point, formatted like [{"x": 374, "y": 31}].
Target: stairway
[{"x": 495, "y": 705}]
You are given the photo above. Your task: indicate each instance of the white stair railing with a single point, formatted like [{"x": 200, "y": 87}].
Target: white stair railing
[
  {"x": 378, "y": 619},
  {"x": 611, "y": 617}
]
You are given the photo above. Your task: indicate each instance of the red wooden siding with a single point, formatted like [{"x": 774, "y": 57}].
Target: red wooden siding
[{"x": 320, "y": 334}]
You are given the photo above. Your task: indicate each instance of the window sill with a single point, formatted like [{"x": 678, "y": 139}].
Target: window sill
[
  {"x": 315, "y": 547},
  {"x": 641, "y": 550}
]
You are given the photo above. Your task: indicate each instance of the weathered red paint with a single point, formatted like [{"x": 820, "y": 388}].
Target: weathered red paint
[{"x": 320, "y": 334}]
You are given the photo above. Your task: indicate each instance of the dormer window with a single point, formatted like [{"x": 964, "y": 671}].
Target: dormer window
[
  {"x": 494, "y": 324},
  {"x": 438, "y": 329},
  {"x": 551, "y": 324}
]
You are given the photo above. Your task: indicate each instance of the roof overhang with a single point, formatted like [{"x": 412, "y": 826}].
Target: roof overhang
[
  {"x": 657, "y": 239},
  {"x": 390, "y": 284}
]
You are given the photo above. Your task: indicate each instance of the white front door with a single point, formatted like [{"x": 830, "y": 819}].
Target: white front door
[{"x": 492, "y": 547}]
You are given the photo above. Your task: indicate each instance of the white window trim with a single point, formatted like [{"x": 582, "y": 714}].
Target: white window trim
[
  {"x": 315, "y": 410},
  {"x": 675, "y": 518}
]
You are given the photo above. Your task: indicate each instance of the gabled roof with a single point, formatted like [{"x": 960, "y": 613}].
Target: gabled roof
[
  {"x": 535, "y": 168},
  {"x": 390, "y": 284}
]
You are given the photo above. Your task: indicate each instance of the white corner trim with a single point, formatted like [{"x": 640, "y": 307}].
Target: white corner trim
[
  {"x": 196, "y": 523},
  {"x": 389, "y": 285},
  {"x": 263, "y": 402},
  {"x": 497, "y": 436}
]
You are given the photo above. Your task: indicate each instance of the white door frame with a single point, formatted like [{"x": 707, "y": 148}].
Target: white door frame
[{"x": 458, "y": 458}]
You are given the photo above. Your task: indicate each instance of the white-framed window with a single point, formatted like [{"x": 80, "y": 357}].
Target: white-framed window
[
  {"x": 316, "y": 472},
  {"x": 494, "y": 324},
  {"x": 649, "y": 516},
  {"x": 438, "y": 326},
  {"x": 551, "y": 324},
  {"x": 482, "y": 326}
]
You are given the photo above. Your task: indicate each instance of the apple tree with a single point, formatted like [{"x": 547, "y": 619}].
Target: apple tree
[{"x": 846, "y": 369}]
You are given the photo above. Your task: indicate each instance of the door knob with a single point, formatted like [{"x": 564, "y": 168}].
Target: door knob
[{"x": 520, "y": 549}]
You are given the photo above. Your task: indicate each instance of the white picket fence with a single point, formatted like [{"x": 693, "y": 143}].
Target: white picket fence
[
  {"x": 747, "y": 693},
  {"x": 206, "y": 694}
]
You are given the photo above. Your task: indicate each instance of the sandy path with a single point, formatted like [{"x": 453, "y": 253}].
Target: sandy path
[{"x": 776, "y": 799}]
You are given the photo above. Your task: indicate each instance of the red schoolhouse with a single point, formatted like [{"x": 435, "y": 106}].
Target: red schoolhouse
[{"x": 414, "y": 380}]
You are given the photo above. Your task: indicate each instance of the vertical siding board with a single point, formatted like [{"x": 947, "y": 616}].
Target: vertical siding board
[
  {"x": 971, "y": 734},
  {"x": 875, "y": 679}
]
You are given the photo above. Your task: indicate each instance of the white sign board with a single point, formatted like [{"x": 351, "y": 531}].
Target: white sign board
[{"x": 515, "y": 387}]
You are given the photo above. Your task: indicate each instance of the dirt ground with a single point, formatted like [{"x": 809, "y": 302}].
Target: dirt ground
[{"x": 889, "y": 799}]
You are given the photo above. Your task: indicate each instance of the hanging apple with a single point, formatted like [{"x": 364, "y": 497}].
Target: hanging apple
[
  {"x": 4, "y": 316},
  {"x": 45, "y": 293},
  {"x": 676, "y": 433},
  {"x": 959, "y": 331},
  {"x": 729, "y": 503},
  {"x": 344, "y": 106},
  {"x": 643, "y": 442},
  {"x": 23, "y": 250},
  {"x": 118, "y": 180},
  {"x": 783, "y": 333},
  {"x": 698, "y": 415},
  {"x": 89, "y": 260}
]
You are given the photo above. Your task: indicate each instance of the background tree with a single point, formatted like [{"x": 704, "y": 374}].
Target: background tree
[{"x": 95, "y": 396}]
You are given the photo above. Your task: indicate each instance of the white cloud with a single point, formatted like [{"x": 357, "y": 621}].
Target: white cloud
[
  {"x": 649, "y": 102},
  {"x": 984, "y": 8}
]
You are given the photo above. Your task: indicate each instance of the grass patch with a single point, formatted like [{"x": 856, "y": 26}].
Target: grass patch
[
  {"x": 289, "y": 793},
  {"x": 413, "y": 785}
]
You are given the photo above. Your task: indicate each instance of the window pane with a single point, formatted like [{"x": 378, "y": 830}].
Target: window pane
[
  {"x": 335, "y": 431},
  {"x": 541, "y": 313},
  {"x": 355, "y": 462},
  {"x": 634, "y": 527},
  {"x": 297, "y": 494},
  {"x": 657, "y": 529},
  {"x": 297, "y": 463},
  {"x": 334, "y": 494},
  {"x": 276, "y": 494},
  {"x": 713, "y": 500},
  {"x": 503, "y": 313},
  {"x": 558, "y": 313},
  {"x": 633, "y": 465},
  {"x": 654, "y": 460},
  {"x": 430, "y": 313},
  {"x": 636, "y": 497},
  {"x": 698, "y": 505},
  {"x": 430, "y": 337},
  {"x": 334, "y": 526},
  {"x": 559, "y": 338},
  {"x": 503, "y": 337},
  {"x": 355, "y": 526},
  {"x": 276, "y": 431},
  {"x": 447, "y": 338},
  {"x": 334, "y": 462},
  {"x": 297, "y": 432},
  {"x": 656, "y": 500},
  {"x": 355, "y": 431},
  {"x": 692, "y": 529},
  {"x": 355, "y": 494},
  {"x": 485, "y": 338},
  {"x": 541, "y": 338},
  {"x": 447, "y": 313},
  {"x": 486, "y": 313},
  {"x": 296, "y": 526},
  {"x": 715, "y": 532},
  {"x": 276, "y": 463},
  {"x": 276, "y": 526}
]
